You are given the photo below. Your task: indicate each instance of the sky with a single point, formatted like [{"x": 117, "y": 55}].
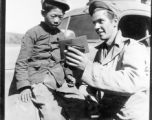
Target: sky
[{"x": 22, "y": 15}]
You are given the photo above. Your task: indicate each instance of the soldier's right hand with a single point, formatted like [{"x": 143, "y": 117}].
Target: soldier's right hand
[{"x": 25, "y": 95}]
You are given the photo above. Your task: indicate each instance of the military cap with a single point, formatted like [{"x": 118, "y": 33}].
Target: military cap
[
  {"x": 115, "y": 8},
  {"x": 63, "y": 3}
]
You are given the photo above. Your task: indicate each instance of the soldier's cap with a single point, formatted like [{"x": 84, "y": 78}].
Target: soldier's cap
[
  {"x": 115, "y": 8},
  {"x": 62, "y": 3}
]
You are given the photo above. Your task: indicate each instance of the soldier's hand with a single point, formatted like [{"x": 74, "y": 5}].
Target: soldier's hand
[
  {"x": 25, "y": 95},
  {"x": 76, "y": 58},
  {"x": 71, "y": 81}
]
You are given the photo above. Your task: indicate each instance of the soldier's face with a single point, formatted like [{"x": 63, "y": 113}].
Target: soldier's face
[
  {"x": 54, "y": 17},
  {"x": 103, "y": 25}
]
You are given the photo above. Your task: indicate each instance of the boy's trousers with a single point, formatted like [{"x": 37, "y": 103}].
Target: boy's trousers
[{"x": 46, "y": 101}]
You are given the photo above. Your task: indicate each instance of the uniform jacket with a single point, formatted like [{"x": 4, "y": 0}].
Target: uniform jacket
[
  {"x": 39, "y": 54},
  {"x": 121, "y": 75}
]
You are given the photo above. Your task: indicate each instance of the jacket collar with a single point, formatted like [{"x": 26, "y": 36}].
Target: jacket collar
[
  {"x": 48, "y": 29},
  {"x": 115, "y": 50}
]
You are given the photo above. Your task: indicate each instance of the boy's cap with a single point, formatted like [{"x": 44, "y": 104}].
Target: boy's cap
[
  {"x": 62, "y": 2},
  {"x": 105, "y": 5}
]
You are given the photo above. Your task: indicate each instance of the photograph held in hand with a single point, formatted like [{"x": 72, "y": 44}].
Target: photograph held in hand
[
  {"x": 80, "y": 48},
  {"x": 78, "y": 43},
  {"x": 75, "y": 58}
]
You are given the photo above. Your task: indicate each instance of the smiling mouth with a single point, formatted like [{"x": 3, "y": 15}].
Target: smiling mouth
[{"x": 100, "y": 33}]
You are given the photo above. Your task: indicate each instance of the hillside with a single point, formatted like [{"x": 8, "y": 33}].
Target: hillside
[{"x": 13, "y": 38}]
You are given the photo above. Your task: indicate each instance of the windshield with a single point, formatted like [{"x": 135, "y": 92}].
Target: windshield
[
  {"x": 82, "y": 25},
  {"x": 136, "y": 27},
  {"x": 132, "y": 26},
  {"x": 63, "y": 23}
]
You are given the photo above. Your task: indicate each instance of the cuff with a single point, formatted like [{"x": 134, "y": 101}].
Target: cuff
[
  {"x": 24, "y": 83},
  {"x": 87, "y": 74}
]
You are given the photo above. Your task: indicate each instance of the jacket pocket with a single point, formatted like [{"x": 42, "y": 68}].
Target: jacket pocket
[
  {"x": 54, "y": 46},
  {"x": 33, "y": 69},
  {"x": 58, "y": 73},
  {"x": 34, "y": 65}
]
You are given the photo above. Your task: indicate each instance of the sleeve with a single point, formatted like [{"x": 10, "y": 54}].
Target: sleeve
[
  {"x": 68, "y": 72},
  {"x": 66, "y": 69},
  {"x": 127, "y": 80},
  {"x": 21, "y": 67}
]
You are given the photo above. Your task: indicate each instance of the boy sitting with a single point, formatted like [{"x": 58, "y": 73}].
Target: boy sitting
[{"x": 39, "y": 68}]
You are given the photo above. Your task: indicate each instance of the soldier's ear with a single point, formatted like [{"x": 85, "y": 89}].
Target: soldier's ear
[
  {"x": 43, "y": 13},
  {"x": 116, "y": 21}
]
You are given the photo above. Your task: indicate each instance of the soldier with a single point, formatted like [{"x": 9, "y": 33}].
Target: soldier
[{"x": 117, "y": 76}]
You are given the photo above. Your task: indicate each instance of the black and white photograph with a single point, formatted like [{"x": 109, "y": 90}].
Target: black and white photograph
[{"x": 77, "y": 60}]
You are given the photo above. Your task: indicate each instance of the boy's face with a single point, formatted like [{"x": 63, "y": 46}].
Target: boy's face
[{"x": 53, "y": 18}]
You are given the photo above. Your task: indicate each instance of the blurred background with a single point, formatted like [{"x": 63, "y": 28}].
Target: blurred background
[{"x": 24, "y": 14}]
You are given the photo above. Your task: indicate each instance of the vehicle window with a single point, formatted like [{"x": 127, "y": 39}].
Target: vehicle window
[
  {"x": 63, "y": 23},
  {"x": 136, "y": 27},
  {"x": 82, "y": 25}
]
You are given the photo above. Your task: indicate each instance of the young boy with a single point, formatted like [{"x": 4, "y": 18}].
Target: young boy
[{"x": 39, "y": 69}]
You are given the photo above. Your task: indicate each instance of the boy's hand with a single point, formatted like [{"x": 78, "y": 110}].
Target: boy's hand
[
  {"x": 83, "y": 90},
  {"x": 71, "y": 81},
  {"x": 25, "y": 95}
]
